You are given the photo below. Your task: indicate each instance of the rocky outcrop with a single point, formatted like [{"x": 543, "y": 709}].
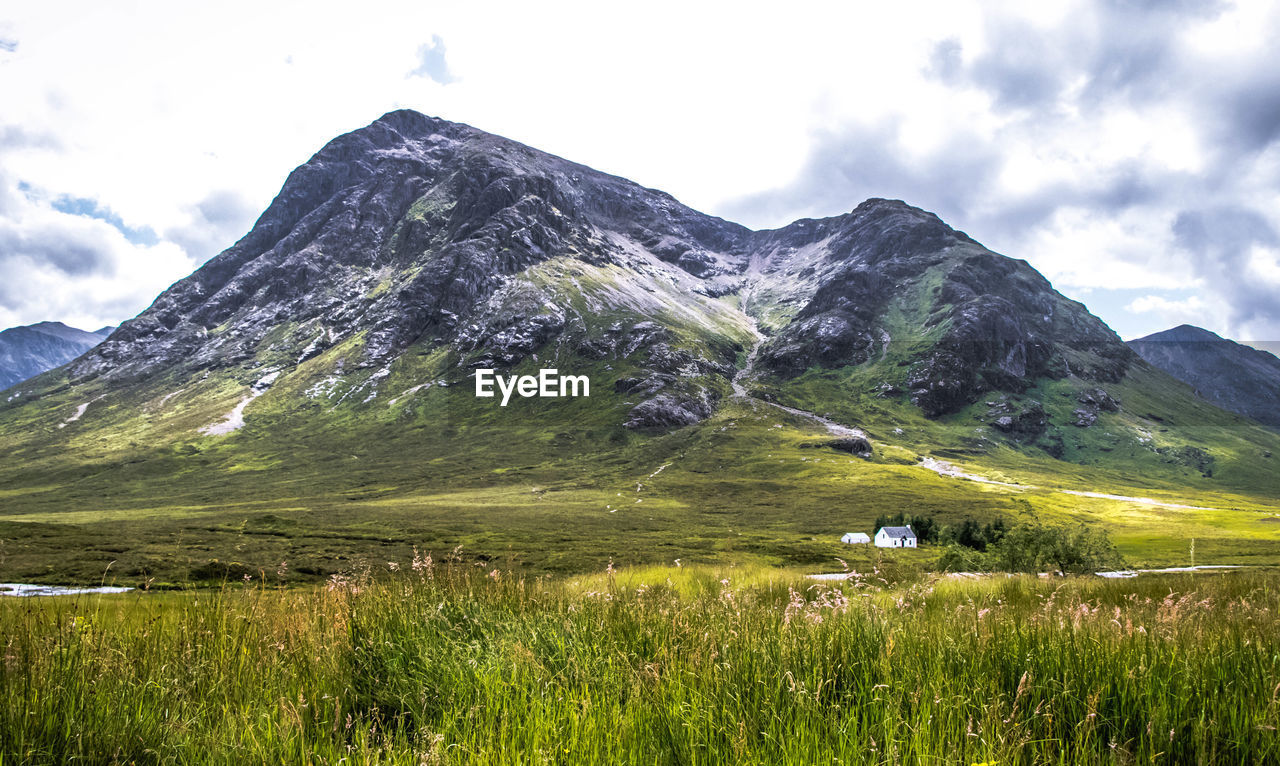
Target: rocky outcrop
[
  {"x": 1093, "y": 401},
  {"x": 1084, "y": 418},
  {"x": 1097, "y": 399},
  {"x": 1025, "y": 421},
  {"x": 668, "y": 410},
  {"x": 854, "y": 445}
]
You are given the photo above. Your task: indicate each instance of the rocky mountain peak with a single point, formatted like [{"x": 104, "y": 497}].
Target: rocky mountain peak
[
  {"x": 1233, "y": 376},
  {"x": 1184, "y": 333},
  {"x": 400, "y": 228},
  {"x": 891, "y": 273},
  {"x": 30, "y": 350},
  {"x": 415, "y": 229}
]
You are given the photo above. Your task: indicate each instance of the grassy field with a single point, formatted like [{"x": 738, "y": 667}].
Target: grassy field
[
  {"x": 439, "y": 662},
  {"x": 750, "y": 485},
  {"x": 325, "y": 474}
]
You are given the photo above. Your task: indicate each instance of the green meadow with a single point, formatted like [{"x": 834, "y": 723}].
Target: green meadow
[
  {"x": 602, "y": 595},
  {"x": 441, "y": 661},
  {"x": 339, "y": 465},
  {"x": 558, "y": 486}
]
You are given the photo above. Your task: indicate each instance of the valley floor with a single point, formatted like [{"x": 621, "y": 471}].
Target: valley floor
[
  {"x": 565, "y": 490},
  {"x": 444, "y": 662}
]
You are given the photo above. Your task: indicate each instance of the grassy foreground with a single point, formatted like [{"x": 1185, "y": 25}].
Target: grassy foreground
[{"x": 452, "y": 664}]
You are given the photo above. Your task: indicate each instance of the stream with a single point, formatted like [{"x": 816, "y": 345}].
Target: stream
[
  {"x": 21, "y": 590},
  {"x": 748, "y": 369}
]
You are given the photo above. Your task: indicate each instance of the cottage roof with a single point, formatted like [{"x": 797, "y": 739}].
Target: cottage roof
[{"x": 898, "y": 532}]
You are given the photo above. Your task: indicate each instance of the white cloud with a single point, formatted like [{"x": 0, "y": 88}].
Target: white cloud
[
  {"x": 432, "y": 62},
  {"x": 1171, "y": 312},
  {"x": 1186, "y": 307},
  {"x": 1049, "y": 132},
  {"x": 77, "y": 269},
  {"x": 1078, "y": 250}
]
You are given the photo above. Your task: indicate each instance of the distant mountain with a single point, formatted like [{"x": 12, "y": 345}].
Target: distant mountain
[
  {"x": 1235, "y": 377},
  {"x": 30, "y": 350}
]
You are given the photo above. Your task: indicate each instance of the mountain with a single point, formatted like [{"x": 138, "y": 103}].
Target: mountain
[
  {"x": 309, "y": 394},
  {"x": 1233, "y": 376},
  {"x": 416, "y": 230},
  {"x": 967, "y": 321},
  {"x": 29, "y": 350}
]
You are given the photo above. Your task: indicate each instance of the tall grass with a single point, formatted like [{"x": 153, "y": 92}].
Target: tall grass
[{"x": 659, "y": 666}]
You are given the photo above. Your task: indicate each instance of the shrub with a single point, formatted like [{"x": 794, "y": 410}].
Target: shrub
[
  {"x": 971, "y": 534},
  {"x": 1039, "y": 547},
  {"x": 1030, "y": 548}
]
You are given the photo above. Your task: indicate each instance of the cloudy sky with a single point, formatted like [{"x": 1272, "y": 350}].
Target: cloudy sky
[{"x": 1130, "y": 150}]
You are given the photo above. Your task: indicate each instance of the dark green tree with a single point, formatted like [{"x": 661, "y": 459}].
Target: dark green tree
[{"x": 1075, "y": 549}]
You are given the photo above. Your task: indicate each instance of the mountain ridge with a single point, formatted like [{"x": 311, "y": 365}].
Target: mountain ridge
[
  {"x": 406, "y": 228},
  {"x": 748, "y": 388},
  {"x": 1236, "y": 377},
  {"x": 28, "y": 350}
]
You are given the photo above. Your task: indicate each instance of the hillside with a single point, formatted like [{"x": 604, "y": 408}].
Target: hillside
[
  {"x": 308, "y": 395},
  {"x": 30, "y": 350},
  {"x": 1235, "y": 377}
]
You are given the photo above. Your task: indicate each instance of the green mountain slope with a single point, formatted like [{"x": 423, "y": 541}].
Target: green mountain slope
[{"x": 308, "y": 396}]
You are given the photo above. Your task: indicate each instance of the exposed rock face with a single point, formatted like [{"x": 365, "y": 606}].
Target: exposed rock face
[
  {"x": 1025, "y": 422},
  {"x": 865, "y": 255},
  {"x": 417, "y": 232},
  {"x": 30, "y": 350},
  {"x": 667, "y": 411},
  {"x": 1098, "y": 399},
  {"x": 402, "y": 229},
  {"x": 855, "y": 445},
  {"x": 1093, "y": 401},
  {"x": 987, "y": 322},
  {"x": 1084, "y": 418},
  {"x": 1235, "y": 377}
]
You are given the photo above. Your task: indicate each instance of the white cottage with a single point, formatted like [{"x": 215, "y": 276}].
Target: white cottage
[
  {"x": 855, "y": 538},
  {"x": 896, "y": 537}
]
